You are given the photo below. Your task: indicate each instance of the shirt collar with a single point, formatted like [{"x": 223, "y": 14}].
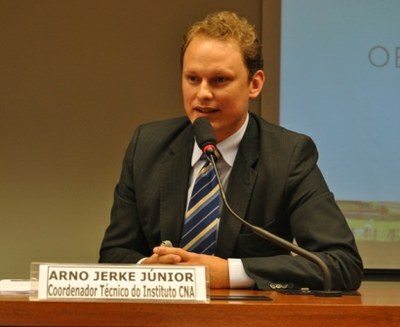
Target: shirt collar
[{"x": 228, "y": 148}]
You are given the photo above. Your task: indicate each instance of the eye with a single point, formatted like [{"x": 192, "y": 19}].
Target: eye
[
  {"x": 220, "y": 80},
  {"x": 192, "y": 79}
]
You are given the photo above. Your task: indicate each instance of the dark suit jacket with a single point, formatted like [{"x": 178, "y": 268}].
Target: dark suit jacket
[{"x": 275, "y": 184}]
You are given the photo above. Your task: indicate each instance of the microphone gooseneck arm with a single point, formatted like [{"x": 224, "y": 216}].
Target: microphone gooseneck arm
[
  {"x": 206, "y": 140},
  {"x": 274, "y": 238}
]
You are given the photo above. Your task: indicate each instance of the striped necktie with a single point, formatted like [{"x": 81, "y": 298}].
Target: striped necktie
[{"x": 201, "y": 219}]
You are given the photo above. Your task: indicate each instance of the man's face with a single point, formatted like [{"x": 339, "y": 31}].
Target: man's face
[{"x": 215, "y": 84}]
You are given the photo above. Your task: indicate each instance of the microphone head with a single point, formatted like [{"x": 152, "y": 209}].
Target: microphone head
[{"x": 205, "y": 136}]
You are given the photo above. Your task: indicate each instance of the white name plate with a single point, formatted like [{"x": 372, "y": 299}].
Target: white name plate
[{"x": 55, "y": 281}]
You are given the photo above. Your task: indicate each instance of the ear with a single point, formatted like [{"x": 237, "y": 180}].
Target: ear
[{"x": 256, "y": 84}]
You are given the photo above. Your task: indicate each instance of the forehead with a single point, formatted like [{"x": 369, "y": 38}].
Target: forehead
[{"x": 210, "y": 51}]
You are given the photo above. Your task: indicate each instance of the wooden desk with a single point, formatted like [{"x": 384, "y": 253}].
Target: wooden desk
[{"x": 378, "y": 305}]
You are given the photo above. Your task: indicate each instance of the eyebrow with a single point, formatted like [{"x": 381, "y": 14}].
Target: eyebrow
[{"x": 222, "y": 71}]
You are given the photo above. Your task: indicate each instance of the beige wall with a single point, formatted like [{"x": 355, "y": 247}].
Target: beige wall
[{"x": 76, "y": 78}]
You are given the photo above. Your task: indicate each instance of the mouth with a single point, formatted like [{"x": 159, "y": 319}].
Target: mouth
[{"x": 205, "y": 110}]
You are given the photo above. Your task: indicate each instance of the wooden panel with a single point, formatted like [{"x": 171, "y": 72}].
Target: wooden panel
[{"x": 378, "y": 305}]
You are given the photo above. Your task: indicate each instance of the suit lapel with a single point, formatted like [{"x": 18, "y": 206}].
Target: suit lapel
[
  {"x": 174, "y": 186},
  {"x": 240, "y": 187}
]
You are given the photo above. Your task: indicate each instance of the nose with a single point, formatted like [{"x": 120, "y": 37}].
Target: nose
[{"x": 204, "y": 91}]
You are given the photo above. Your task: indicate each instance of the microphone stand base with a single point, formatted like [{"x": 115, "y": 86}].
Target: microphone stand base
[
  {"x": 328, "y": 293},
  {"x": 306, "y": 291}
]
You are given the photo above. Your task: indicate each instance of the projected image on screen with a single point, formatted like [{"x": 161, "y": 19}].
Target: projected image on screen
[{"x": 340, "y": 84}]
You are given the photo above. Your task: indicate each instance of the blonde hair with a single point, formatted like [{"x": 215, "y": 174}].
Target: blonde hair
[{"x": 226, "y": 25}]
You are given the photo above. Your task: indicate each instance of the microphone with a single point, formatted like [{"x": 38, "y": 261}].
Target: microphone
[
  {"x": 205, "y": 136},
  {"x": 206, "y": 140}
]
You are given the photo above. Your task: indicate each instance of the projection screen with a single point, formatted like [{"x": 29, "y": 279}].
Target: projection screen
[{"x": 340, "y": 84}]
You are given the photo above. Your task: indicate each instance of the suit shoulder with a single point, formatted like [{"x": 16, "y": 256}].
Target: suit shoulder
[
  {"x": 156, "y": 137},
  {"x": 269, "y": 129},
  {"x": 157, "y": 131},
  {"x": 166, "y": 126}
]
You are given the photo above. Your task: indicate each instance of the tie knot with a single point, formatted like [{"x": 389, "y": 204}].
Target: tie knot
[{"x": 204, "y": 158}]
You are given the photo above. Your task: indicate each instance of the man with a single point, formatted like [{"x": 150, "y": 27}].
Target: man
[{"x": 269, "y": 174}]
